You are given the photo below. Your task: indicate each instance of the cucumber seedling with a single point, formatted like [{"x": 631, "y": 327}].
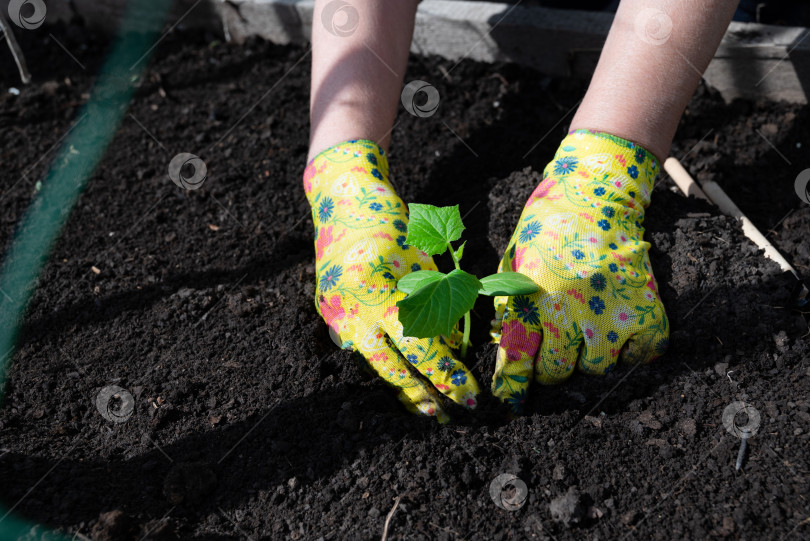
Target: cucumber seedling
[{"x": 437, "y": 301}]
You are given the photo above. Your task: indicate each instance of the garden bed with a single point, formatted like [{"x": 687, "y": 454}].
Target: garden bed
[{"x": 248, "y": 421}]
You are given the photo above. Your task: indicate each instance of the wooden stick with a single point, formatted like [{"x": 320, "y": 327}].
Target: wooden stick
[
  {"x": 16, "y": 52},
  {"x": 713, "y": 193},
  {"x": 683, "y": 179}
]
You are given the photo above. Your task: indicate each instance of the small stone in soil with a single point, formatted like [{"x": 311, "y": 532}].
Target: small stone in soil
[
  {"x": 112, "y": 525},
  {"x": 568, "y": 509}
]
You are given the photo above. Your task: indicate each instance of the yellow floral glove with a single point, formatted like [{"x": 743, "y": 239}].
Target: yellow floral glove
[
  {"x": 580, "y": 239},
  {"x": 360, "y": 252}
]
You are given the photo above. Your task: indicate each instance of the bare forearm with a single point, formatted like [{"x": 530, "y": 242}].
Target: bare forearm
[
  {"x": 357, "y": 73},
  {"x": 652, "y": 61}
]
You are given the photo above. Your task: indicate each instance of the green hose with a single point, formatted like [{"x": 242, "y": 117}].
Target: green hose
[{"x": 79, "y": 155}]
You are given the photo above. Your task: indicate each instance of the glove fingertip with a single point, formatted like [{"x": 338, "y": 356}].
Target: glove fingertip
[{"x": 510, "y": 382}]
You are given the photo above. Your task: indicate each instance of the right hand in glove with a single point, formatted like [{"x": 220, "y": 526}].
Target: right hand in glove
[{"x": 360, "y": 253}]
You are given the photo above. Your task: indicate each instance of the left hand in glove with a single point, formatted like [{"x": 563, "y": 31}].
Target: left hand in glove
[{"x": 580, "y": 239}]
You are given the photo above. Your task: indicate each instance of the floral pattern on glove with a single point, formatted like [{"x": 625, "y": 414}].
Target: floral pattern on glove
[
  {"x": 360, "y": 252},
  {"x": 580, "y": 237}
]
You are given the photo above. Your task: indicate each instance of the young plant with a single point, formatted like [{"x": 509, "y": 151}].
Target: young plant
[{"x": 437, "y": 301}]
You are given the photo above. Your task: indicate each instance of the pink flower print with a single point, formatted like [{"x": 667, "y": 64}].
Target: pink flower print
[
  {"x": 515, "y": 340},
  {"x": 325, "y": 239},
  {"x": 518, "y": 260},
  {"x": 309, "y": 172},
  {"x": 332, "y": 311},
  {"x": 541, "y": 190},
  {"x": 378, "y": 357}
]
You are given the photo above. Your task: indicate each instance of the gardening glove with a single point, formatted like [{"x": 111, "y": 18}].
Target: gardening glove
[
  {"x": 580, "y": 239},
  {"x": 360, "y": 253}
]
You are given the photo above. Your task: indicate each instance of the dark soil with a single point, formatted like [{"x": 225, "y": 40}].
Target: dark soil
[{"x": 248, "y": 421}]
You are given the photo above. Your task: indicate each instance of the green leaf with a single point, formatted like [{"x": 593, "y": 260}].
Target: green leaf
[
  {"x": 431, "y": 228},
  {"x": 519, "y": 379},
  {"x": 436, "y": 307},
  {"x": 508, "y": 283},
  {"x": 413, "y": 281}
]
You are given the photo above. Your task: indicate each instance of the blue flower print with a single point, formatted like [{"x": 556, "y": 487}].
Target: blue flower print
[
  {"x": 372, "y": 159},
  {"x": 401, "y": 242},
  {"x": 598, "y": 281},
  {"x": 578, "y": 254},
  {"x": 330, "y": 278},
  {"x": 612, "y": 336},
  {"x": 415, "y": 267},
  {"x": 604, "y": 224},
  {"x": 458, "y": 377},
  {"x": 411, "y": 358},
  {"x": 564, "y": 166},
  {"x": 446, "y": 364},
  {"x": 608, "y": 211},
  {"x": 632, "y": 171},
  {"x": 599, "y": 192},
  {"x": 517, "y": 400},
  {"x": 531, "y": 230},
  {"x": 597, "y": 305},
  {"x": 401, "y": 226},
  {"x": 376, "y": 207},
  {"x": 376, "y": 174},
  {"x": 325, "y": 209},
  {"x": 526, "y": 310},
  {"x": 613, "y": 267}
]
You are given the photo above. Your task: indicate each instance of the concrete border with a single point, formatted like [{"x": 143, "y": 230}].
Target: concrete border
[{"x": 754, "y": 61}]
